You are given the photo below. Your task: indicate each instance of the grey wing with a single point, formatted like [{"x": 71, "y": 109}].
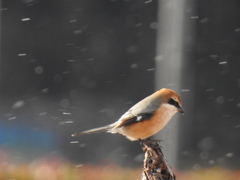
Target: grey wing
[
  {"x": 147, "y": 105},
  {"x": 143, "y": 110}
]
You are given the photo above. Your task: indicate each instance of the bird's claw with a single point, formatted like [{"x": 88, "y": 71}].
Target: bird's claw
[{"x": 146, "y": 142}]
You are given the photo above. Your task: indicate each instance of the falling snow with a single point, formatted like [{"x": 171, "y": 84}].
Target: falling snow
[
  {"x": 22, "y": 54},
  {"x": 68, "y": 66},
  {"x": 18, "y": 104},
  {"x": 38, "y": 70},
  {"x": 25, "y": 19}
]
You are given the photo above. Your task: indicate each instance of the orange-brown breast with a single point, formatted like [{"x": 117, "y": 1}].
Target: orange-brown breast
[{"x": 147, "y": 128}]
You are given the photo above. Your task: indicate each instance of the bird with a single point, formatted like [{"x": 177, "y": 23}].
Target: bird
[{"x": 146, "y": 118}]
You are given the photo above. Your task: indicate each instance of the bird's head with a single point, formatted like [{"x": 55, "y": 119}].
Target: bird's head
[{"x": 170, "y": 97}]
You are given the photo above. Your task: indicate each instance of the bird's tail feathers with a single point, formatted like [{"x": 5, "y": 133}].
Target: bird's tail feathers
[{"x": 94, "y": 130}]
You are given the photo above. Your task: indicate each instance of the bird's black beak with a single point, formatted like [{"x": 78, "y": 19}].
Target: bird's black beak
[{"x": 180, "y": 110}]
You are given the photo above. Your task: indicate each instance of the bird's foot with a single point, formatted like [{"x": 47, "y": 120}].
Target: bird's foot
[{"x": 149, "y": 141}]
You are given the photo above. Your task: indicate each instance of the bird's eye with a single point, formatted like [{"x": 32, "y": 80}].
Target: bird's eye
[{"x": 174, "y": 103}]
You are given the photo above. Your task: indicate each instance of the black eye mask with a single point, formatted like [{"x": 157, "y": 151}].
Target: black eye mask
[{"x": 174, "y": 103}]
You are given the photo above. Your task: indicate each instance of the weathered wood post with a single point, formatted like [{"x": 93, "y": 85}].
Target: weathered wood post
[{"x": 155, "y": 165}]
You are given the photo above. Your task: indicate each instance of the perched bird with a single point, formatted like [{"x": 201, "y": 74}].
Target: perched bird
[{"x": 145, "y": 118}]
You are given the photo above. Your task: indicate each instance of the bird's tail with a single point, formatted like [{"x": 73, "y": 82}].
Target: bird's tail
[{"x": 104, "y": 128}]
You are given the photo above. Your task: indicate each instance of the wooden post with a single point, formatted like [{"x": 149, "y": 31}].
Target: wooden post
[{"x": 155, "y": 165}]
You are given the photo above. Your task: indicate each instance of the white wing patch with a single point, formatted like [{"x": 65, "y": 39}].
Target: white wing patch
[{"x": 139, "y": 118}]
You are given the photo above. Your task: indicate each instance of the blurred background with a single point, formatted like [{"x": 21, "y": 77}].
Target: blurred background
[{"x": 71, "y": 65}]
